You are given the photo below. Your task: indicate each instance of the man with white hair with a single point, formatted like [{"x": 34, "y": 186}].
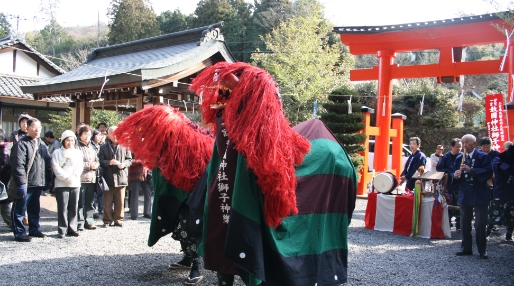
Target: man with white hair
[
  {"x": 501, "y": 208},
  {"x": 115, "y": 160},
  {"x": 472, "y": 169}
]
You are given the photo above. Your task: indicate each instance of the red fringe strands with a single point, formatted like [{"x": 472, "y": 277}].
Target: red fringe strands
[
  {"x": 255, "y": 122},
  {"x": 162, "y": 137}
]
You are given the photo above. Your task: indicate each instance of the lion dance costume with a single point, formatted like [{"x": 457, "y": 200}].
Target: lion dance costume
[
  {"x": 278, "y": 200},
  {"x": 177, "y": 150}
]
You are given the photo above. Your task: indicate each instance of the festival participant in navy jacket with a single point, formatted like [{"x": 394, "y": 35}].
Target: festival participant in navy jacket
[
  {"x": 445, "y": 165},
  {"x": 472, "y": 170},
  {"x": 501, "y": 207},
  {"x": 416, "y": 160}
]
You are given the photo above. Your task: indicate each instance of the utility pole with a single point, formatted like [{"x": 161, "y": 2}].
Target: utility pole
[
  {"x": 98, "y": 30},
  {"x": 18, "y": 18}
]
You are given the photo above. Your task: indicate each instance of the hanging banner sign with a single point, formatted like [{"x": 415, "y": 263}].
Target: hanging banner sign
[{"x": 494, "y": 115}]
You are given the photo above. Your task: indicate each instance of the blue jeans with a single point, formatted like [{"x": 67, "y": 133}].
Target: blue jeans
[
  {"x": 100, "y": 206},
  {"x": 29, "y": 204}
]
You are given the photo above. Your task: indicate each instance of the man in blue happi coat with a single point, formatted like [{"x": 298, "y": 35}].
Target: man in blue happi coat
[
  {"x": 415, "y": 160},
  {"x": 501, "y": 208},
  {"x": 452, "y": 190},
  {"x": 471, "y": 172}
]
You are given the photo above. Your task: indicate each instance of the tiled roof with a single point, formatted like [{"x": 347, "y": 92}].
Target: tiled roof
[
  {"x": 413, "y": 26},
  {"x": 11, "y": 41},
  {"x": 140, "y": 60},
  {"x": 10, "y": 86}
]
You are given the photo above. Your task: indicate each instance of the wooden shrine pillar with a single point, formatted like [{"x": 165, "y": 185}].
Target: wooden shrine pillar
[
  {"x": 384, "y": 108},
  {"x": 139, "y": 102},
  {"x": 81, "y": 113}
]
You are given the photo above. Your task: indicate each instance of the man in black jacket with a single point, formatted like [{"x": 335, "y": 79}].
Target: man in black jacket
[
  {"x": 30, "y": 183},
  {"x": 445, "y": 165},
  {"x": 114, "y": 160}
]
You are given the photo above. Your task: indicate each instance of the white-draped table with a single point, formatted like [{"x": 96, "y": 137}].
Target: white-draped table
[{"x": 394, "y": 213}]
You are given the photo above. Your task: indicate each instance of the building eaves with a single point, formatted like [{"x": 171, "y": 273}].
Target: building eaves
[
  {"x": 139, "y": 65},
  {"x": 187, "y": 36},
  {"x": 415, "y": 25},
  {"x": 10, "y": 41},
  {"x": 10, "y": 86}
]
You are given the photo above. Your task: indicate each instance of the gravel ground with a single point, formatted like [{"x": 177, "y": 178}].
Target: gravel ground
[{"x": 120, "y": 256}]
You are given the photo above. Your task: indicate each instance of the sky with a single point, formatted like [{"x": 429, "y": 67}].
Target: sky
[{"x": 340, "y": 12}]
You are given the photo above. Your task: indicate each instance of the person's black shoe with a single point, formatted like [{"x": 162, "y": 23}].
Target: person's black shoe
[
  {"x": 464, "y": 253},
  {"x": 484, "y": 255},
  {"x": 72, "y": 233},
  {"x": 38, "y": 234},
  {"x": 185, "y": 263},
  {"x": 25, "y": 238},
  {"x": 118, "y": 224},
  {"x": 147, "y": 216},
  {"x": 193, "y": 281}
]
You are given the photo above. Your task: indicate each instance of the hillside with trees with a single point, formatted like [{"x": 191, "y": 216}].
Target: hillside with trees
[{"x": 294, "y": 42}]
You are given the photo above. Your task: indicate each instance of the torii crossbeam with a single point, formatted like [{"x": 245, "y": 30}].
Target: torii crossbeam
[{"x": 448, "y": 36}]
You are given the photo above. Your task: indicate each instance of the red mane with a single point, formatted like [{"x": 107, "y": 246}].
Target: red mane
[
  {"x": 255, "y": 122},
  {"x": 163, "y": 137}
]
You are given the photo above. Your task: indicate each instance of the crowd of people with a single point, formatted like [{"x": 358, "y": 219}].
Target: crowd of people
[
  {"x": 480, "y": 182},
  {"x": 87, "y": 171}
]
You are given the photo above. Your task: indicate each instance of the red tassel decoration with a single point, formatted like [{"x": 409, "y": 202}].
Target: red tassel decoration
[
  {"x": 163, "y": 137},
  {"x": 255, "y": 122}
]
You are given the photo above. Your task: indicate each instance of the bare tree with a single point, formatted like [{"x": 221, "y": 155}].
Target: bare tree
[{"x": 71, "y": 61}]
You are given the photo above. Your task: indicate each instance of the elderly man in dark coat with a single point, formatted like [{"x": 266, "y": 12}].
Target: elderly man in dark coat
[
  {"x": 114, "y": 160},
  {"x": 471, "y": 171}
]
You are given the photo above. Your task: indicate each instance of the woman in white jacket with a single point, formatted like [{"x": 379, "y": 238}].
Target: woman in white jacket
[{"x": 67, "y": 165}]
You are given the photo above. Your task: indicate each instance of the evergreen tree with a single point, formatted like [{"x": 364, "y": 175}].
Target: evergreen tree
[
  {"x": 267, "y": 15},
  {"x": 131, "y": 20},
  {"x": 234, "y": 13},
  {"x": 5, "y": 26},
  {"x": 170, "y": 22},
  {"x": 304, "y": 64},
  {"x": 345, "y": 125},
  {"x": 53, "y": 40}
]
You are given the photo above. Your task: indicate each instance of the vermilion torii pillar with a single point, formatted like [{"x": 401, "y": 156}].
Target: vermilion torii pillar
[
  {"x": 384, "y": 108},
  {"x": 448, "y": 36}
]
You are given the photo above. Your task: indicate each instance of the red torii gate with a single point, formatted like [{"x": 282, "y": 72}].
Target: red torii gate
[{"x": 449, "y": 37}]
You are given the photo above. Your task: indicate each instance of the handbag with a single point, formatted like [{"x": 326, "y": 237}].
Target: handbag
[
  {"x": 3, "y": 192},
  {"x": 11, "y": 186},
  {"x": 101, "y": 185}
]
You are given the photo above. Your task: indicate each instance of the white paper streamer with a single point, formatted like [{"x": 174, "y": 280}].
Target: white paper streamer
[
  {"x": 421, "y": 104},
  {"x": 101, "y": 89},
  {"x": 350, "y": 105},
  {"x": 507, "y": 49}
]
